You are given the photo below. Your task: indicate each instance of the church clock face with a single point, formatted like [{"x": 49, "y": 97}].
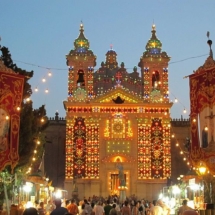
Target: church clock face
[{"x": 80, "y": 94}]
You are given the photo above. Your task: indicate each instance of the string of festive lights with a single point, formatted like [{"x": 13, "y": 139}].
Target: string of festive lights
[
  {"x": 53, "y": 68},
  {"x": 44, "y": 79},
  {"x": 36, "y": 149},
  {"x": 176, "y": 100},
  {"x": 181, "y": 150}
]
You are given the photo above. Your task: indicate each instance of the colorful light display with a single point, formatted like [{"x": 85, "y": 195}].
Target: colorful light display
[
  {"x": 82, "y": 149},
  {"x": 154, "y": 157},
  {"x": 101, "y": 128}
]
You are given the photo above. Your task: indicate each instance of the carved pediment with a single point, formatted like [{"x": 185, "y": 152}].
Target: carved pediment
[{"x": 118, "y": 96}]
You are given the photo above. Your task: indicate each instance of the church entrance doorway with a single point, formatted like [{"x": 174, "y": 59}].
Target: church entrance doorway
[{"x": 113, "y": 182}]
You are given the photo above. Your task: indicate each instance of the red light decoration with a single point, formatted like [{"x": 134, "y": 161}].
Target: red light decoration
[
  {"x": 154, "y": 158},
  {"x": 92, "y": 155},
  {"x": 82, "y": 150}
]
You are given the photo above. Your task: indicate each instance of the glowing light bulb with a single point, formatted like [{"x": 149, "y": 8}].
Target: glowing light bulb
[
  {"x": 206, "y": 128},
  {"x": 181, "y": 152},
  {"x": 194, "y": 120},
  {"x": 38, "y": 142},
  {"x": 46, "y": 91},
  {"x": 36, "y": 89},
  {"x": 7, "y": 117},
  {"x": 177, "y": 144},
  {"x": 28, "y": 99},
  {"x": 173, "y": 135},
  {"x": 42, "y": 120},
  {"x": 49, "y": 74},
  {"x": 33, "y": 159},
  {"x": 18, "y": 108},
  {"x": 184, "y": 111},
  {"x": 43, "y": 80}
]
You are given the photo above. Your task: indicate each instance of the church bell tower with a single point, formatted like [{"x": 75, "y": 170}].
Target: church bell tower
[
  {"x": 81, "y": 62},
  {"x": 154, "y": 70}
]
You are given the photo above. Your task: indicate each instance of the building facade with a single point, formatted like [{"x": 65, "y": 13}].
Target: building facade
[{"x": 115, "y": 118}]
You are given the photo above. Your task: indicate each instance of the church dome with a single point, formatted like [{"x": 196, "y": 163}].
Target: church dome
[
  {"x": 81, "y": 44},
  {"x": 153, "y": 49},
  {"x": 111, "y": 59},
  {"x": 154, "y": 45}
]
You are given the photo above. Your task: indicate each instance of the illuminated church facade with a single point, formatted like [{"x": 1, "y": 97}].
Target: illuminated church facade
[{"x": 114, "y": 116}]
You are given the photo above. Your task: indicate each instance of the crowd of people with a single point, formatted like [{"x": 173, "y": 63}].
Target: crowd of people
[{"x": 101, "y": 206}]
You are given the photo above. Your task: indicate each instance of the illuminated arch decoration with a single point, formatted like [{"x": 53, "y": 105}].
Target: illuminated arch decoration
[
  {"x": 90, "y": 82},
  {"x": 69, "y": 150},
  {"x": 157, "y": 152},
  {"x": 82, "y": 149},
  {"x": 165, "y": 87},
  {"x": 118, "y": 127},
  {"x": 146, "y": 84},
  {"x": 144, "y": 151},
  {"x": 107, "y": 128},
  {"x": 112, "y": 109},
  {"x": 154, "y": 157},
  {"x": 71, "y": 82},
  {"x": 92, "y": 153},
  {"x": 79, "y": 148}
]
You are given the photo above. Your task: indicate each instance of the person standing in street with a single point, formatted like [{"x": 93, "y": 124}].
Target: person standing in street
[
  {"x": 184, "y": 207},
  {"x": 157, "y": 210},
  {"x": 125, "y": 210},
  {"x": 113, "y": 211},
  {"x": 72, "y": 208},
  {"x": 58, "y": 210},
  {"x": 107, "y": 208},
  {"x": 98, "y": 209}
]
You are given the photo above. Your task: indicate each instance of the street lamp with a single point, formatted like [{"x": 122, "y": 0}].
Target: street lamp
[{"x": 202, "y": 170}]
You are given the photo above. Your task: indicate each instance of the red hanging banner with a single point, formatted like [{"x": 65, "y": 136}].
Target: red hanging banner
[
  {"x": 202, "y": 108},
  {"x": 11, "y": 90}
]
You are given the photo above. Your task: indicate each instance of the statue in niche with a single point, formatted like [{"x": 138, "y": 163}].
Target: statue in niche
[
  {"x": 75, "y": 188},
  {"x": 121, "y": 176}
]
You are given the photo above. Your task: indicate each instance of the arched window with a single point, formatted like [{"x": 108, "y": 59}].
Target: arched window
[
  {"x": 81, "y": 81},
  {"x": 155, "y": 79}
]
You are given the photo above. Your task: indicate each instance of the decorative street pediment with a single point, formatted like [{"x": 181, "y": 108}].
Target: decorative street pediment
[{"x": 118, "y": 96}]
